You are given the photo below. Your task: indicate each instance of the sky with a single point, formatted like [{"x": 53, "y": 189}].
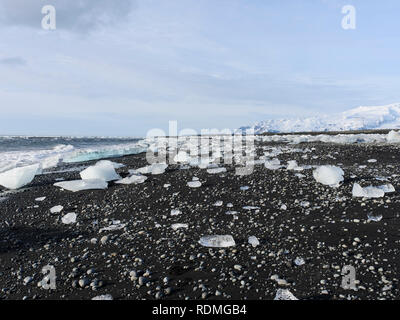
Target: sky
[{"x": 122, "y": 68}]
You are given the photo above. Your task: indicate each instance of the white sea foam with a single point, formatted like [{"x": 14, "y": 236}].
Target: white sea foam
[
  {"x": 51, "y": 157},
  {"x": 47, "y": 158}
]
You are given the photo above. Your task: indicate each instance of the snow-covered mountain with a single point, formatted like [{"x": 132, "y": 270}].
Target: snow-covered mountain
[{"x": 361, "y": 118}]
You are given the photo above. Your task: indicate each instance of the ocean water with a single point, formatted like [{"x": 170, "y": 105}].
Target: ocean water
[{"x": 16, "y": 151}]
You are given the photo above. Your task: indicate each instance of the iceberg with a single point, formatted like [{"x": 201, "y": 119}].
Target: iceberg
[
  {"x": 202, "y": 162},
  {"x": 216, "y": 170},
  {"x": 103, "y": 297},
  {"x": 217, "y": 241},
  {"x": 143, "y": 170},
  {"x": 158, "y": 168},
  {"x": 367, "y": 192},
  {"x": 387, "y": 188},
  {"x": 78, "y": 185},
  {"x": 134, "y": 179},
  {"x": 284, "y": 294},
  {"x": 194, "y": 184},
  {"x": 292, "y": 165},
  {"x": 393, "y": 136},
  {"x": 299, "y": 261},
  {"x": 177, "y": 226},
  {"x": 253, "y": 241},
  {"x": 272, "y": 164},
  {"x": 155, "y": 168},
  {"x": 328, "y": 175},
  {"x": 103, "y": 170},
  {"x": 117, "y": 225},
  {"x": 182, "y": 156},
  {"x": 175, "y": 212},
  {"x": 56, "y": 209},
  {"x": 19, "y": 177},
  {"x": 373, "y": 217},
  {"x": 69, "y": 218},
  {"x": 250, "y": 208},
  {"x": 116, "y": 165}
]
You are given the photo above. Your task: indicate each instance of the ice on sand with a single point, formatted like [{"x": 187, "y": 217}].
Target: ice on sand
[
  {"x": 205, "y": 163},
  {"x": 158, "y": 168},
  {"x": 217, "y": 241},
  {"x": 292, "y": 165},
  {"x": 56, "y": 209},
  {"x": 116, "y": 225},
  {"x": 387, "y": 188},
  {"x": 284, "y": 294},
  {"x": 250, "y": 208},
  {"x": 328, "y": 175},
  {"x": 116, "y": 165},
  {"x": 69, "y": 218},
  {"x": 143, "y": 170},
  {"x": 182, "y": 156},
  {"x": 299, "y": 261},
  {"x": 155, "y": 168},
  {"x": 78, "y": 185},
  {"x": 177, "y": 226},
  {"x": 40, "y": 199},
  {"x": 368, "y": 192},
  {"x": 375, "y": 218},
  {"x": 103, "y": 297},
  {"x": 194, "y": 184},
  {"x": 218, "y": 203},
  {"x": 216, "y": 170},
  {"x": 230, "y": 212},
  {"x": 19, "y": 177},
  {"x": 175, "y": 212},
  {"x": 103, "y": 170},
  {"x": 393, "y": 136},
  {"x": 272, "y": 164},
  {"x": 133, "y": 179},
  {"x": 253, "y": 241}
]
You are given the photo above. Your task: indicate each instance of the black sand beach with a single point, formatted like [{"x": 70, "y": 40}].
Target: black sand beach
[{"x": 147, "y": 259}]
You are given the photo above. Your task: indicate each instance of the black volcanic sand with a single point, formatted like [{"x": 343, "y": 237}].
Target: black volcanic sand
[{"x": 147, "y": 259}]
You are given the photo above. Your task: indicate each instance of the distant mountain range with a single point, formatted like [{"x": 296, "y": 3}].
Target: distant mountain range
[{"x": 361, "y": 118}]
